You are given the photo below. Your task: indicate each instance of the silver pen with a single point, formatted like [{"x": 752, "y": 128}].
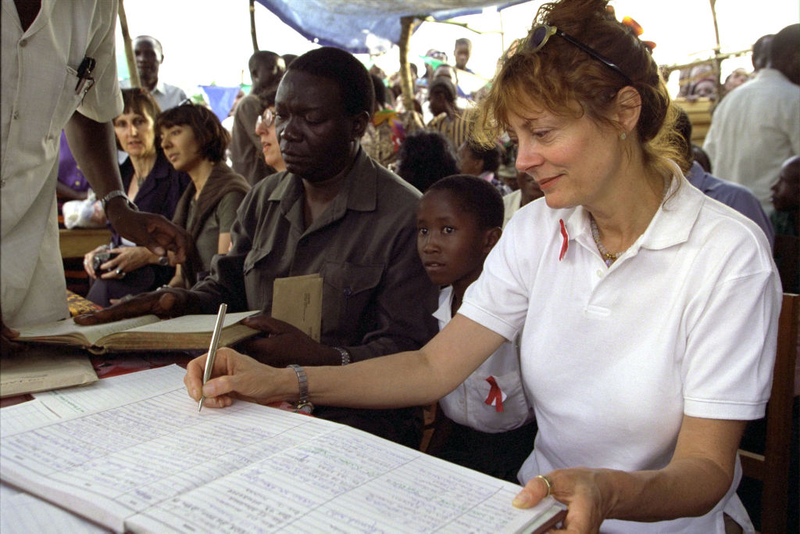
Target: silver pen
[{"x": 212, "y": 349}]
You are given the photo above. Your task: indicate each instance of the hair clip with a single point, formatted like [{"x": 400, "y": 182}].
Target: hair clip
[
  {"x": 633, "y": 25},
  {"x": 637, "y": 30}
]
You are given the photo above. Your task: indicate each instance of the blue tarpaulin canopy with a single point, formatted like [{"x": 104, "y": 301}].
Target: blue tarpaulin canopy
[
  {"x": 220, "y": 99},
  {"x": 366, "y": 26}
]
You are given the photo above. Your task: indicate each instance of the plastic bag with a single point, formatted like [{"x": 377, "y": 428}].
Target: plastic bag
[{"x": 86, "y": 213}]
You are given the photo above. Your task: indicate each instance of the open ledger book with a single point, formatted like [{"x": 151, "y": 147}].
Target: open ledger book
[
  {"x": 148, "y": 332},
  {"x": 151, "y": 463}
]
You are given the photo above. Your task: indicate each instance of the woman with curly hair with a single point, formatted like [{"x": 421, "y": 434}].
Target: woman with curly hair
[{"x": 648, "y": 312}]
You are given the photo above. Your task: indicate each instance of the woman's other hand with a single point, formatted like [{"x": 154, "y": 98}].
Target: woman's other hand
[
  {"x": 585, "y": 492},
  {"x": 697, "y": 477}
]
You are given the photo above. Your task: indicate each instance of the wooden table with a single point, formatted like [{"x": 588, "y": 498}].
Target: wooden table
[{"x": 78, "y": 241}]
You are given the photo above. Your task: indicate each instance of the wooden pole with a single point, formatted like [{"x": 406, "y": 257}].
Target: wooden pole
[
  {"x": 717, "y": 63},
  {"x": 502, "y": 35},
  {"x": 126, "y": 38},
  {"x": 406, "y": 28},
  {"x": 253, "y": 25},
  {"x": 716, "y": 24},
  {"x": 668, "y": 69}
]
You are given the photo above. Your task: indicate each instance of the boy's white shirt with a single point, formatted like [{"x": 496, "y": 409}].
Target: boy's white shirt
[{"x": 466, "y": 405}]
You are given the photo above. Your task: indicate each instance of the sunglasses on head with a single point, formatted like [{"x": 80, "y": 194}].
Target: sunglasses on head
[
  {"x": 540, "y": 34},
  {"x": 266, "y": 119}
]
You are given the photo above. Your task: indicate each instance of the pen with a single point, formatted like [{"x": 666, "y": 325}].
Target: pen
[
  {"x": 212, "y": 350},
  {"x": 84, "y": 73}
]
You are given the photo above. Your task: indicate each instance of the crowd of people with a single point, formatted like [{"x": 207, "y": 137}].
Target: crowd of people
[
  {"x": 591, "y": 300},
  {"x": 701, "y": 80}
]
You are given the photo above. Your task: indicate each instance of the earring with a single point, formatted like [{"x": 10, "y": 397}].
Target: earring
[{"x": 623, "y": 136}]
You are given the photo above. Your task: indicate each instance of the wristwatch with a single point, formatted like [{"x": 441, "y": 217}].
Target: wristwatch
[
  {"x": 302, "y": 405},
  {"x": 114, "y": 194},
  {"x": 345, "y": 355}
]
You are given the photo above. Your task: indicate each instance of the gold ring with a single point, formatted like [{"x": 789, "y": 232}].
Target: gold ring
[{"x": 546, "y": 483}]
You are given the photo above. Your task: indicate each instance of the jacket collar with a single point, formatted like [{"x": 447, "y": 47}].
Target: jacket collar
[
  {"x": 359, "y": 191},
  {"x": 160, "y": 171}
]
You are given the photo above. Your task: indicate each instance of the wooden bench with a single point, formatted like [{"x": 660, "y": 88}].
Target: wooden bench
[{"x": 78, "y": 241}]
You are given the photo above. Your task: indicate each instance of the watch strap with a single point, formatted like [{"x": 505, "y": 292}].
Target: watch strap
[
  {"x": 302, "y": 405},
  {"x": 114, "y": 194},
  {"x": 345, "y": 354}
]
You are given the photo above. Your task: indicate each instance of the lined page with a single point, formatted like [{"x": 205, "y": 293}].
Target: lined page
[
  {"x": 22, "y": 417},
  {"x": 128, "y": 458},
  {"x": 345, "y": 481},
  {"x": 243, "y": 468},
  {"x": 57, "y": 405},
  {"x": 113, "y": 391},
  {"x": 21, "y": 513}
]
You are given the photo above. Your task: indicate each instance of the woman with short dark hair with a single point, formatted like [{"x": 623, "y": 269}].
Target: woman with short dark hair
[{"x": 194, "y": 141}]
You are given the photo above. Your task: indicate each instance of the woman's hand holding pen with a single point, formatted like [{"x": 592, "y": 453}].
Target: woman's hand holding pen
[{"x": 238, "y": 376}]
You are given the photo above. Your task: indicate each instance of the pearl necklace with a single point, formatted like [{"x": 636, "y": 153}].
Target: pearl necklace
[{"x": 608, "y": 257}]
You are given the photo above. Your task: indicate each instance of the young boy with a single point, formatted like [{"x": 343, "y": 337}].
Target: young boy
[{"x": 486, "y": 423}]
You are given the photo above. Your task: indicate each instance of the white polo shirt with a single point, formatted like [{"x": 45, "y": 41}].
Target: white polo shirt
[
  {"x": 467, "y": 404},
  {"x": 37, "y": 98},
  {"x": 684, "y": 322}
]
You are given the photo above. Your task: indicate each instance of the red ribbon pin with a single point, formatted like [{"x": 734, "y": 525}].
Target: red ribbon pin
[
  {"x": 564, "y": 243},
  {"x": 495, "y": 395}
]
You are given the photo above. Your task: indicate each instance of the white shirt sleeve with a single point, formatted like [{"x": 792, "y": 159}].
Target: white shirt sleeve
[{"x": 103, "y": 101}]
